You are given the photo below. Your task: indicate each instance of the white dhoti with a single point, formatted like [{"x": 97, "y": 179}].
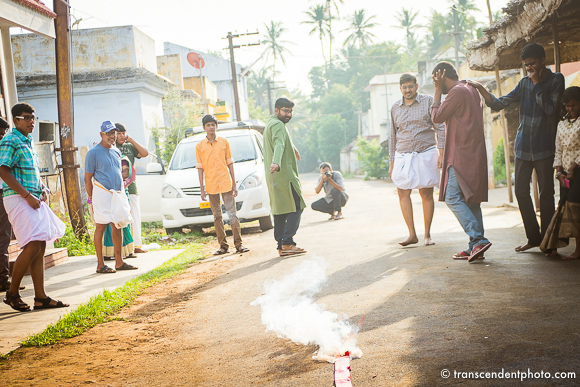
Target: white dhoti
[
  {"x": 110, "y": 206},
  {"x": 31, "y": 225},
  {"x": 416, "y": 170},
  {"x": 136, "y": 215}
]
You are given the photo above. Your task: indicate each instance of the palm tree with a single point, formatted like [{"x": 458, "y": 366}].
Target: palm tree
[
  {"x": 438, "y": 37},
  {"x": 360, "y": 26},
  {"x": 328, "y": 8},
  {"x": 275, "y": 46},
  {"x": 317, "y": 15},
  {"x": 466, "y": 23},
  {"x": 407, "y": 17}
]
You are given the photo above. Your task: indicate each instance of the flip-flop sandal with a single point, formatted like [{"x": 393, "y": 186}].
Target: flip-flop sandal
[
  {"x": 338, "y": 217},
  {"x": 126, "y": 266},
  {"x": 463, "y": 255},
  {"x": 105, "y": 270},
  {"x": 242, "y": 249},
  {"x": 47, "y": 305},
  {"x": 478, "y": 251},
  {"x": 221, "y": 251}
]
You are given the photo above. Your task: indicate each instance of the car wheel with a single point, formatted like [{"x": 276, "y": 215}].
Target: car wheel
[
  {"x": 170, "y": 231},
  {"x": 266, "y": 223}
]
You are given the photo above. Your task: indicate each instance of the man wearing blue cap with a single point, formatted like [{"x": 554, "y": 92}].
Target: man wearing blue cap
[{"x": 107, "y": 196}]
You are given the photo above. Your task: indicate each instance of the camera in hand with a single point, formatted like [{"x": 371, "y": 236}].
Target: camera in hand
[{"x": 327, "y": 173}]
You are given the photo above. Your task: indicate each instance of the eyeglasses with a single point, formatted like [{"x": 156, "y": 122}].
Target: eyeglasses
[
  {"x": 286, "y": 111},
  {"x": 27, "y": 118}
]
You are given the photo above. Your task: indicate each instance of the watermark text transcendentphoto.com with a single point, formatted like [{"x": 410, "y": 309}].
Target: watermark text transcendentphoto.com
[{"x": 507, "y": 374}]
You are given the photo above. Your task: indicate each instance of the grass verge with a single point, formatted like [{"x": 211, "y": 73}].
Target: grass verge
[{"x": 101, "y": 307}]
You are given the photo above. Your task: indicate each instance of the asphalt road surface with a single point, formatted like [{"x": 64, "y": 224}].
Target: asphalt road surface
[{"x": 429, "y": 320}]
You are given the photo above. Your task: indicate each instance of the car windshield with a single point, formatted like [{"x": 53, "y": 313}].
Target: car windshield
[{"x": 242, "y": 150}]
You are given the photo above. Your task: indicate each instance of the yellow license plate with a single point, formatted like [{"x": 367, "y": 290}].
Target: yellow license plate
[{"x": 204, "y": 205}]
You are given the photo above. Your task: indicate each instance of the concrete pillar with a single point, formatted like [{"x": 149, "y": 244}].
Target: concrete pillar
[{"x": 8, "y": 75}]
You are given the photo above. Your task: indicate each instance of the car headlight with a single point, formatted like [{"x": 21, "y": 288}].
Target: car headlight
[
  {"x": 169, "y": 192},
  {"x": 252, "y": 181}
]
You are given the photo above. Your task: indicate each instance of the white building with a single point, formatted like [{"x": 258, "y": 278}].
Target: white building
[
  {"x": 384, "y": 90},
  {"x": 32, "y": 15},
  {"x": 114, "y": 78},
  {"x": 217, "y": 70}
]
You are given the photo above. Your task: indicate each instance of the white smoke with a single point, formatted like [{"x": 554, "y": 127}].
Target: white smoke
[{"x": 289, "y": 310}]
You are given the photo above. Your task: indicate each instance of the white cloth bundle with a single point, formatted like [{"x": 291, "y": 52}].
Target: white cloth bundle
[
  {"x": 32, "y": 225},
  {"x": 111, "y": 206},
  {"x": 416, "y": 170}
]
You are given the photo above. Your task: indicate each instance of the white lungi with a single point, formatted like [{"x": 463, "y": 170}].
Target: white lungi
[
  {"x": 416, "y": 170},
  {"x": 136, "y": 215},
  {"x": 31, "y": 225},
  {"x": 110, "y": 206}
]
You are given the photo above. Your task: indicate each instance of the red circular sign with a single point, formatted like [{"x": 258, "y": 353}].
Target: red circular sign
[{"x": 195, "y": 60}]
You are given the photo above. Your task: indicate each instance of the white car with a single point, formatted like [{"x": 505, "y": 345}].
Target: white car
[{"x": 181, "y": 204}]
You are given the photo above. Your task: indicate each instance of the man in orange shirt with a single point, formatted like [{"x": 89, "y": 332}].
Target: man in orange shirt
[{"x": 214, "y": 157}]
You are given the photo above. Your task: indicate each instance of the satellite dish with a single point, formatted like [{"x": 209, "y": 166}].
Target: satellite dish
[{"x": 195, "y": 60}]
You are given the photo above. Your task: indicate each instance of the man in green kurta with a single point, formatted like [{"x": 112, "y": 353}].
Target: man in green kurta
[{"x": 284, "y": 186}]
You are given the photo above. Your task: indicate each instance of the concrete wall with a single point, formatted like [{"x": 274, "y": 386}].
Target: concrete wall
[
  {"x": 138, "y": 108},
  {"x": 170, "y": 67},
  {"x": 94, "y": 49}
]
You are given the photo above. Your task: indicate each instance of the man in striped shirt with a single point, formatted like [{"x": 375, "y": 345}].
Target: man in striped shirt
[{"x": 415, "y": 149}]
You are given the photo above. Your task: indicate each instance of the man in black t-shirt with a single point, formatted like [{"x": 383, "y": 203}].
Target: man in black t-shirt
[{"x": 132, "y": 149}]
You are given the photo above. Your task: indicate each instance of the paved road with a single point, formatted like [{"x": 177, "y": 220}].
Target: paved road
[{"x": 425, "y": 313}]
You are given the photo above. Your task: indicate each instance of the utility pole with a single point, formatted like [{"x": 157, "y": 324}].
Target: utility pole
[
  {"x": 506, "y": 139},
  {"x": 456, "y": 34},
  {"x": 270, "y": 88},
  {"x": 231, "y": 47},
  {"x": 65, "y": 119}
]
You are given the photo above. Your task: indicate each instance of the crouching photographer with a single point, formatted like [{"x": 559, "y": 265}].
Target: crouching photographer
[{"x": 336, "y": 197}]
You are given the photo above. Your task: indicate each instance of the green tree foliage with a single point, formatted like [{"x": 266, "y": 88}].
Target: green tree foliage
[
  {"x": 373, "y": 159},
  {"x": 256, "y": 112},
  {"x": 180, "y": 114},
  {"x": 258, "y": 87},
  {"x": 360, "y": 26},
  {"x": 406, "y": 18},
  {"x": 326, "y": 134},
  {"x": 499, "y": 172},
  {"x": 318, "y": 17},
  {"x": 275, "y": 46}
]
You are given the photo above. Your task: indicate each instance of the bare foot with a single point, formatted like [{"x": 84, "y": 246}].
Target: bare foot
[
  {"x": 525, "y": 247},
  {"x": 429, "y": 241},
  {"x": 552, "y": 253},
  {"x": 574, "y": 255},
  {"x": 409, "y": 241}
]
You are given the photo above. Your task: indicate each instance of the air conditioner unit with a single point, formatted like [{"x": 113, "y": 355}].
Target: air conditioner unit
[
  {"x": 48, "y": 131},
  {"x": 46, "y": 158}
]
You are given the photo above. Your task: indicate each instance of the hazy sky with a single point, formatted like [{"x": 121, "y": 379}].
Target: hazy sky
[{"x": 202, "y": 25}]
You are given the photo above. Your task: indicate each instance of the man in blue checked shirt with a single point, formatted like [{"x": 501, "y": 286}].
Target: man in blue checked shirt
[{"x": 538, "y": 96}]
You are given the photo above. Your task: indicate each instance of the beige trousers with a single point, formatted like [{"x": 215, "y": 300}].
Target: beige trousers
[{"x": 216, "y": 209}]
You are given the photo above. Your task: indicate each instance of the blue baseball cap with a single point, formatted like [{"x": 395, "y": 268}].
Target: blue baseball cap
[{"x": 107, "y": 126}]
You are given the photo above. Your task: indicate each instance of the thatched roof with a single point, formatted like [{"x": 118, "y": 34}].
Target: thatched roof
[{"x": 528, "y": 21}]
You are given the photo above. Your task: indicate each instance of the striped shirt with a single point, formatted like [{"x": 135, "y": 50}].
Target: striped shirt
[
  {"x": 17, "y": 152},
  {"x": 412, "y": 129},
  {"x": 539, "y": 109}
]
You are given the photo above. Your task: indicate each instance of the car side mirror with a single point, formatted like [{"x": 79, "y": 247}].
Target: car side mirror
[{"x": 154, "y": 168}]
